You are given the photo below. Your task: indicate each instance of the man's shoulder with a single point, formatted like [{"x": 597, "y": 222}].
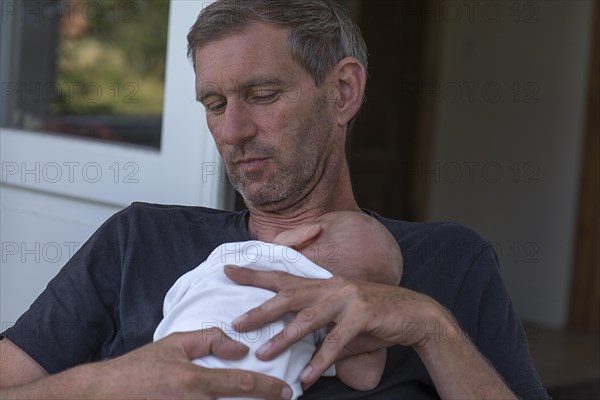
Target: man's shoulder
[
  {"x": 172, "y": 214},
  {"x": 411, "y": 234},
  {"x": 143, "y": 222},
  {"x": 438, "y": 256}
]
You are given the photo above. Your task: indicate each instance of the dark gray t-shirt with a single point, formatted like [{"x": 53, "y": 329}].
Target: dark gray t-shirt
[{"x": 107, "y": 300}]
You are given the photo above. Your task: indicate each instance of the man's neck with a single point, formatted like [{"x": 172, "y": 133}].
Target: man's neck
[{"x": 265, "y": 225}]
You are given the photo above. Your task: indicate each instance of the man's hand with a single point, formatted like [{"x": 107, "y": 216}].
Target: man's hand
[
  {"x": 378, "y": 313},
  {"x": 366, "y": 316},
  {"x": 161, "y": 370}
]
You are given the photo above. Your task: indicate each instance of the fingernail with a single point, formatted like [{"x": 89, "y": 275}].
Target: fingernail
[
  {"x": 286, "y": 393},
  {"x": 306, "y": 374},
  {"x": 239, "y": 320},
  {"x": 264, "y": 349},
  {"x": 232, "y": 266},
  {"x": 241, "y": 346}
]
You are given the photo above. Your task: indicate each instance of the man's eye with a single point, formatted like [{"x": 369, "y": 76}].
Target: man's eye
[
  {"x": 264, "y": 97},
  {"x": 215, "y": 106}
]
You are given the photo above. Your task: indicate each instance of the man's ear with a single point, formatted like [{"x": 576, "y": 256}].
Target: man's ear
[
  {"x": 351, "y": 79},
  {"x": 299, "y": 238}
]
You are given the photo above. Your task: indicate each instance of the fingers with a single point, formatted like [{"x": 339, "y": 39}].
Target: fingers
[
  {"x": 305, "y": 322},
  {"x": 285, "y": 301},
  {"x": 318, "y": 303},
  {"x": 215, "y": 383},
  {"x": 313, "y": 314},
  {"x": 312, "y": 292},
  {"x": 271, "y": 280},
  {"x": 198, "y": 344},
  {"x": 230, "y": 383},
  {"x": 326, "y": 355},
  {"x": 362, "y": 344}
]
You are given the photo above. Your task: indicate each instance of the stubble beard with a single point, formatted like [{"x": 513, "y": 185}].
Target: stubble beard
[{"x": 285, "y": 182}]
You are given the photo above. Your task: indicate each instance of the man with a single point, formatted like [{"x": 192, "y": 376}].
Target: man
[{"x": 281, "y": 83}]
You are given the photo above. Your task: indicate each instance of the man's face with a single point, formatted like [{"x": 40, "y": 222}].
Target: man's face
[{"x": 272, "y": 125}]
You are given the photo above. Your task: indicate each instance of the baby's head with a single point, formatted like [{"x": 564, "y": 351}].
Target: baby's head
[
  {"x": 348, "y": 243},
  {"x": 354, "y": 245}
]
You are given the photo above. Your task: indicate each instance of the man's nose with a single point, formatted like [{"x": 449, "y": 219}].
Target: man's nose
[{"x": 238, "y": 125}]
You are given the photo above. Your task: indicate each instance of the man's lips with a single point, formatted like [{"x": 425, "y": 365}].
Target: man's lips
[
  {"x": 252, "y": 164},
  {"x": 251, "y": 160}
]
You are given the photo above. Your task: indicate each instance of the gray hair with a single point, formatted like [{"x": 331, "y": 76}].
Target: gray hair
[{"x": 321, "y": 32}]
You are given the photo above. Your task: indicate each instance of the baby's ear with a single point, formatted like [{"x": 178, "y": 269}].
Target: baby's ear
[{"x": 299, "y": 238}]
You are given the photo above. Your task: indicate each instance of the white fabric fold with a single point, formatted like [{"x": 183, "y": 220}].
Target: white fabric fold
[{"x": 205, "y": 297}]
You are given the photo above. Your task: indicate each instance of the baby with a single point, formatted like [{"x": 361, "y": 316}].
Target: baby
[{"x": 350, "y": 244}]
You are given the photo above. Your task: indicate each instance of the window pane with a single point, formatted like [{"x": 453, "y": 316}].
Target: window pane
[{"x": 87, "y": 68}]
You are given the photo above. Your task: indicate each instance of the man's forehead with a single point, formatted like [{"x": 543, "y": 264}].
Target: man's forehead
[
  {"x": 258, "y": 43},
  {"x": 236, "y": 77},
  {"x": 221, "y": 70},
  {"x": 253, "y": 42}
]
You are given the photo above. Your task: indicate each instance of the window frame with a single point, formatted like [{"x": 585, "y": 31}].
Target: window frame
[{"x": 186, "y": 170}]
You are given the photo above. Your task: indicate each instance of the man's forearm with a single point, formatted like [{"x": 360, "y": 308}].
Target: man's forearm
[
  {"x": 457, "y": 369},
  {"x": 70, "y": 384},
  {"x": 161, "y": 369}
]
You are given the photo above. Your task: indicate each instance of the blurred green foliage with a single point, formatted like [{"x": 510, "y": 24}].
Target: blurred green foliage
[{"x": 119, "y": 47}]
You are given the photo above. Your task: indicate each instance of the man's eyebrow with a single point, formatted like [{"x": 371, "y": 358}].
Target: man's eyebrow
[
  {"x": 204, "y": 92},
  {"x": 261, "y": 81}
]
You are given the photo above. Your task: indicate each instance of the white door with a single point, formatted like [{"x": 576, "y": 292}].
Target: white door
[{"x": 56, "y": 189}]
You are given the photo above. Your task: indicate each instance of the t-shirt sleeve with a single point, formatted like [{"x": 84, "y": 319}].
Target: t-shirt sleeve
[
  {"x": 484, "y": 308},
  {"x": 73, "y": 318}
]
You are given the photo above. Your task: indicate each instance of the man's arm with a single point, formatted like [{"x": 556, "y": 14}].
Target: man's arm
[
  {"x": 158, "y": 370},
  {"x": 458, "y": 369},
  {"x": 16, "y": 367},
  {"x": 389, "y": 315}
]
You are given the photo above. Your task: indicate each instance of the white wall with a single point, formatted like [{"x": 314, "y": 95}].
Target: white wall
[
  {"x": 529, "y": 131},
  {"x": 39, "y": 232}
]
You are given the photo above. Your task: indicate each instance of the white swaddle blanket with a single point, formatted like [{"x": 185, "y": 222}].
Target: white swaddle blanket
[{"x": 204, "y": 298}]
